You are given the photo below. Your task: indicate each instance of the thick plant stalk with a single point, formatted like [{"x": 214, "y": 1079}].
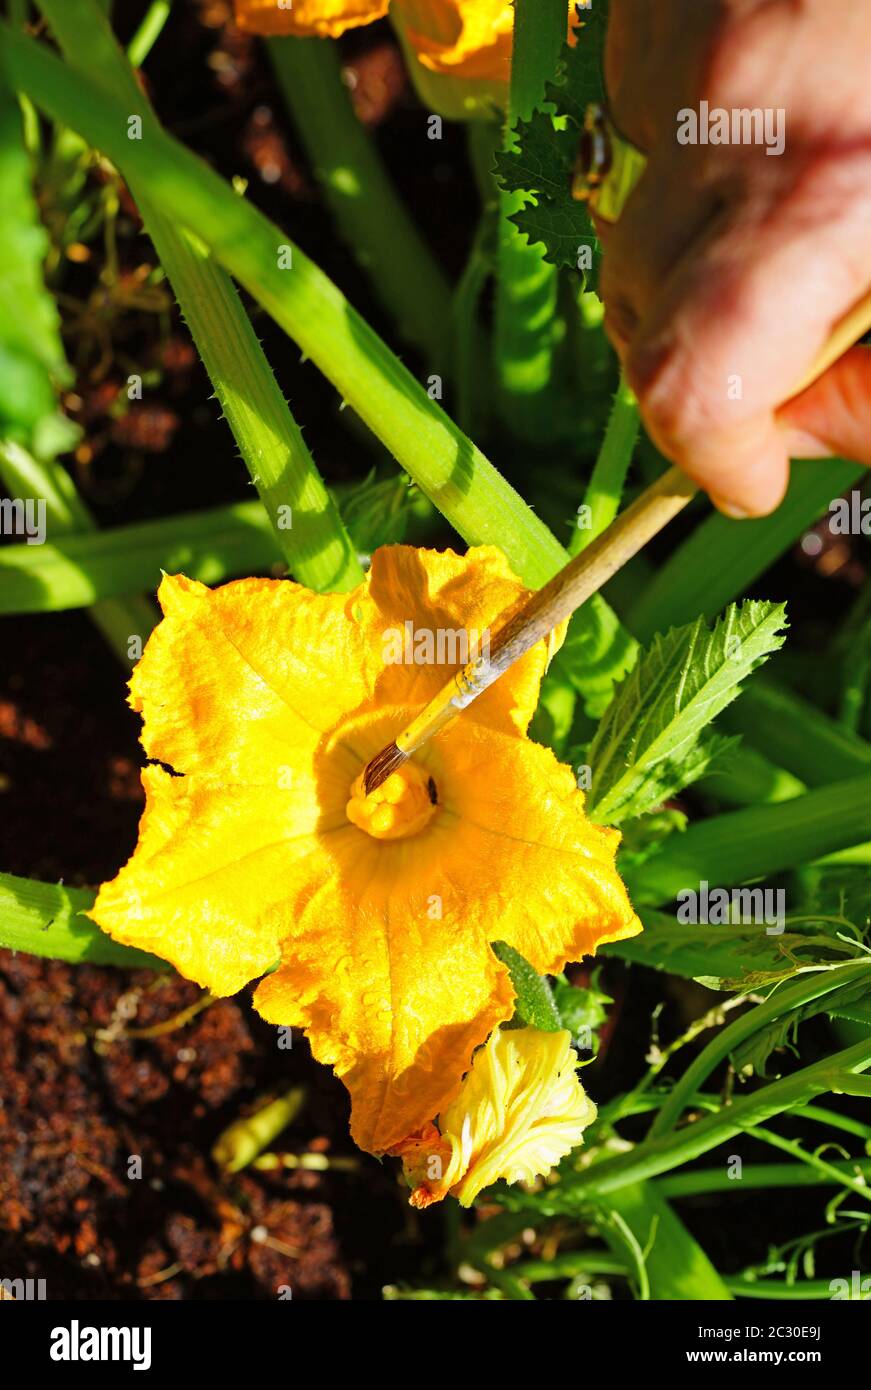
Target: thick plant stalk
[
  {"x": 371, "y": 218},
  {"x": 526, "y": 284},
  {"x": 124, "y": 622},
  {"x": 605, "y": 488},
  {"x": 86, "y": 567},
  {"x": 306, "y": 522},
  {"x": 444, "y": 463},
  {"x": 45, "y": 919}
]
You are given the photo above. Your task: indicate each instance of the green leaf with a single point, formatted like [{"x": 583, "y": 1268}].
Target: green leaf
[
  {"x": 675, "y": 1267},
  {"x": 534, "y": 1006},
  {"x": 580, "y": 79},
  {"x": 756, "y": 842},
  {"x": 377, "y": 512},
  {"x": 581, "y": 1010},
  {"x": 752, "y": 1056},
  {"x": 649, "y": 744},
  {"x": 596, "y": 653},
  {"x": 728, "y": 957},
  {"x": 541, "y": 162},
  {"x": 46, "y": 919},
  {"x": 643, "y": 834},
  {"x": 32, "y": 362}
]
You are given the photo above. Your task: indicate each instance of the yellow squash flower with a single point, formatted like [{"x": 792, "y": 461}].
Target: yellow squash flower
[
  {"x": 518, "y": 1112},
  {"x": 458, "y": 51},
  {"x": 270, "y": 700}
]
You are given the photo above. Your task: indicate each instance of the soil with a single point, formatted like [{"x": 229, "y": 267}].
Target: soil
[{"x": 80, "y": 1102}]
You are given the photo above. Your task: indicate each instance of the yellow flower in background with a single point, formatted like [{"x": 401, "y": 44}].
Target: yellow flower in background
[
  {"x": 518, "y": 1112},
  {"x": 325, "y": 19},
  {"x": 270, "y": 700},
  {"x": 458, "y": 51}
]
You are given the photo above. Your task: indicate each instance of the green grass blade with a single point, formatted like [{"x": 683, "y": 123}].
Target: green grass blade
[
  {"x": 756, "y": 842},
  {"x": 372, "y": 219},
  {"x": 119, "y": 620},
  {"x": 79, "y": 570},
  {"x": 722, "y": 557}
]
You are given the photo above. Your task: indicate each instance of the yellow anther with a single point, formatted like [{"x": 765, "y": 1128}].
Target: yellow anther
[{"x": 400, "y": 807}]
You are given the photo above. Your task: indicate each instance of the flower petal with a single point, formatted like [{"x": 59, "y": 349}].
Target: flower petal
[
  {"x": 241, "y": 680},
  {"x": 466, "y": 38},
  {"x": 322, "y": 18},
  {"x": 211, "y": 886},
  {"x": 527, "y": 863},
  {"x": 446, "y": 596}
]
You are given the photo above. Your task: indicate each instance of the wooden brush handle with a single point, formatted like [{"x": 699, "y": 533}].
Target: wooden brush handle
[{"x": 590, "y": 570}]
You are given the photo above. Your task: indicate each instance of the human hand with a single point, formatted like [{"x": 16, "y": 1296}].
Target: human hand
[{"x": 729, "y": 266}]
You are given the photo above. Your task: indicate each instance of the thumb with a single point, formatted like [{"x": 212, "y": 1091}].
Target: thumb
[{"x": 834, "y": 415}]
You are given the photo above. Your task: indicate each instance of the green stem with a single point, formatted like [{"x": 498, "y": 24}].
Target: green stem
[
  {"x": 780, "y": 1292},
  {"x": 606, "y": 484},
  {"x": 656, "y": 1156},
  {"x": 570, "y": 1264},
  {"x": 83, "y": 568},
  {"x": 305, "y": 520},
  {"x": 469, "y": 336},
  {"x": 757, "y": 842},
  {"x": 781, "y": 1002},
  {"x": 372, "y": 219},
  {"x": 149, "y": 31},
  {"x": 456, "y": 477},
  {"x": 721, "y": 558},
  {"x": 748, "y": 778},
  {"x": 526, "y": 284},
  {"x": 760, "y": 1177},
  {"x": 675, "y": 1265},
  {"x": 119, "y": 620},
  {"x": 827, "y": 1171},
  {"x": 46, "y": 919}
]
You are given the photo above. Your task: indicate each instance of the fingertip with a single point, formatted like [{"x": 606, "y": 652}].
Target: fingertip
[{"x": 752, "y": 490}]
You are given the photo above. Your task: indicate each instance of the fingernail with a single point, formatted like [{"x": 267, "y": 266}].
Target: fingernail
[{"x": 730, "y": 509}]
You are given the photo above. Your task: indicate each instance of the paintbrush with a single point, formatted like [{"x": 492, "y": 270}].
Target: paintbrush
[{"x": 579, "y": 580}]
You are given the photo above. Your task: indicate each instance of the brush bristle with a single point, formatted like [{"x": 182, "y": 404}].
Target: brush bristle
[{"x": 381, "y": 766}]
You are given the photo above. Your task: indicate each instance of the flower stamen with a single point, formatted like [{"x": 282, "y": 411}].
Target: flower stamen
[{"x": 400, "y": 807}]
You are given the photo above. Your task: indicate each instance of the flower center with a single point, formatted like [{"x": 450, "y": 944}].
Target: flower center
[{"x": 401, "y": 806}]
